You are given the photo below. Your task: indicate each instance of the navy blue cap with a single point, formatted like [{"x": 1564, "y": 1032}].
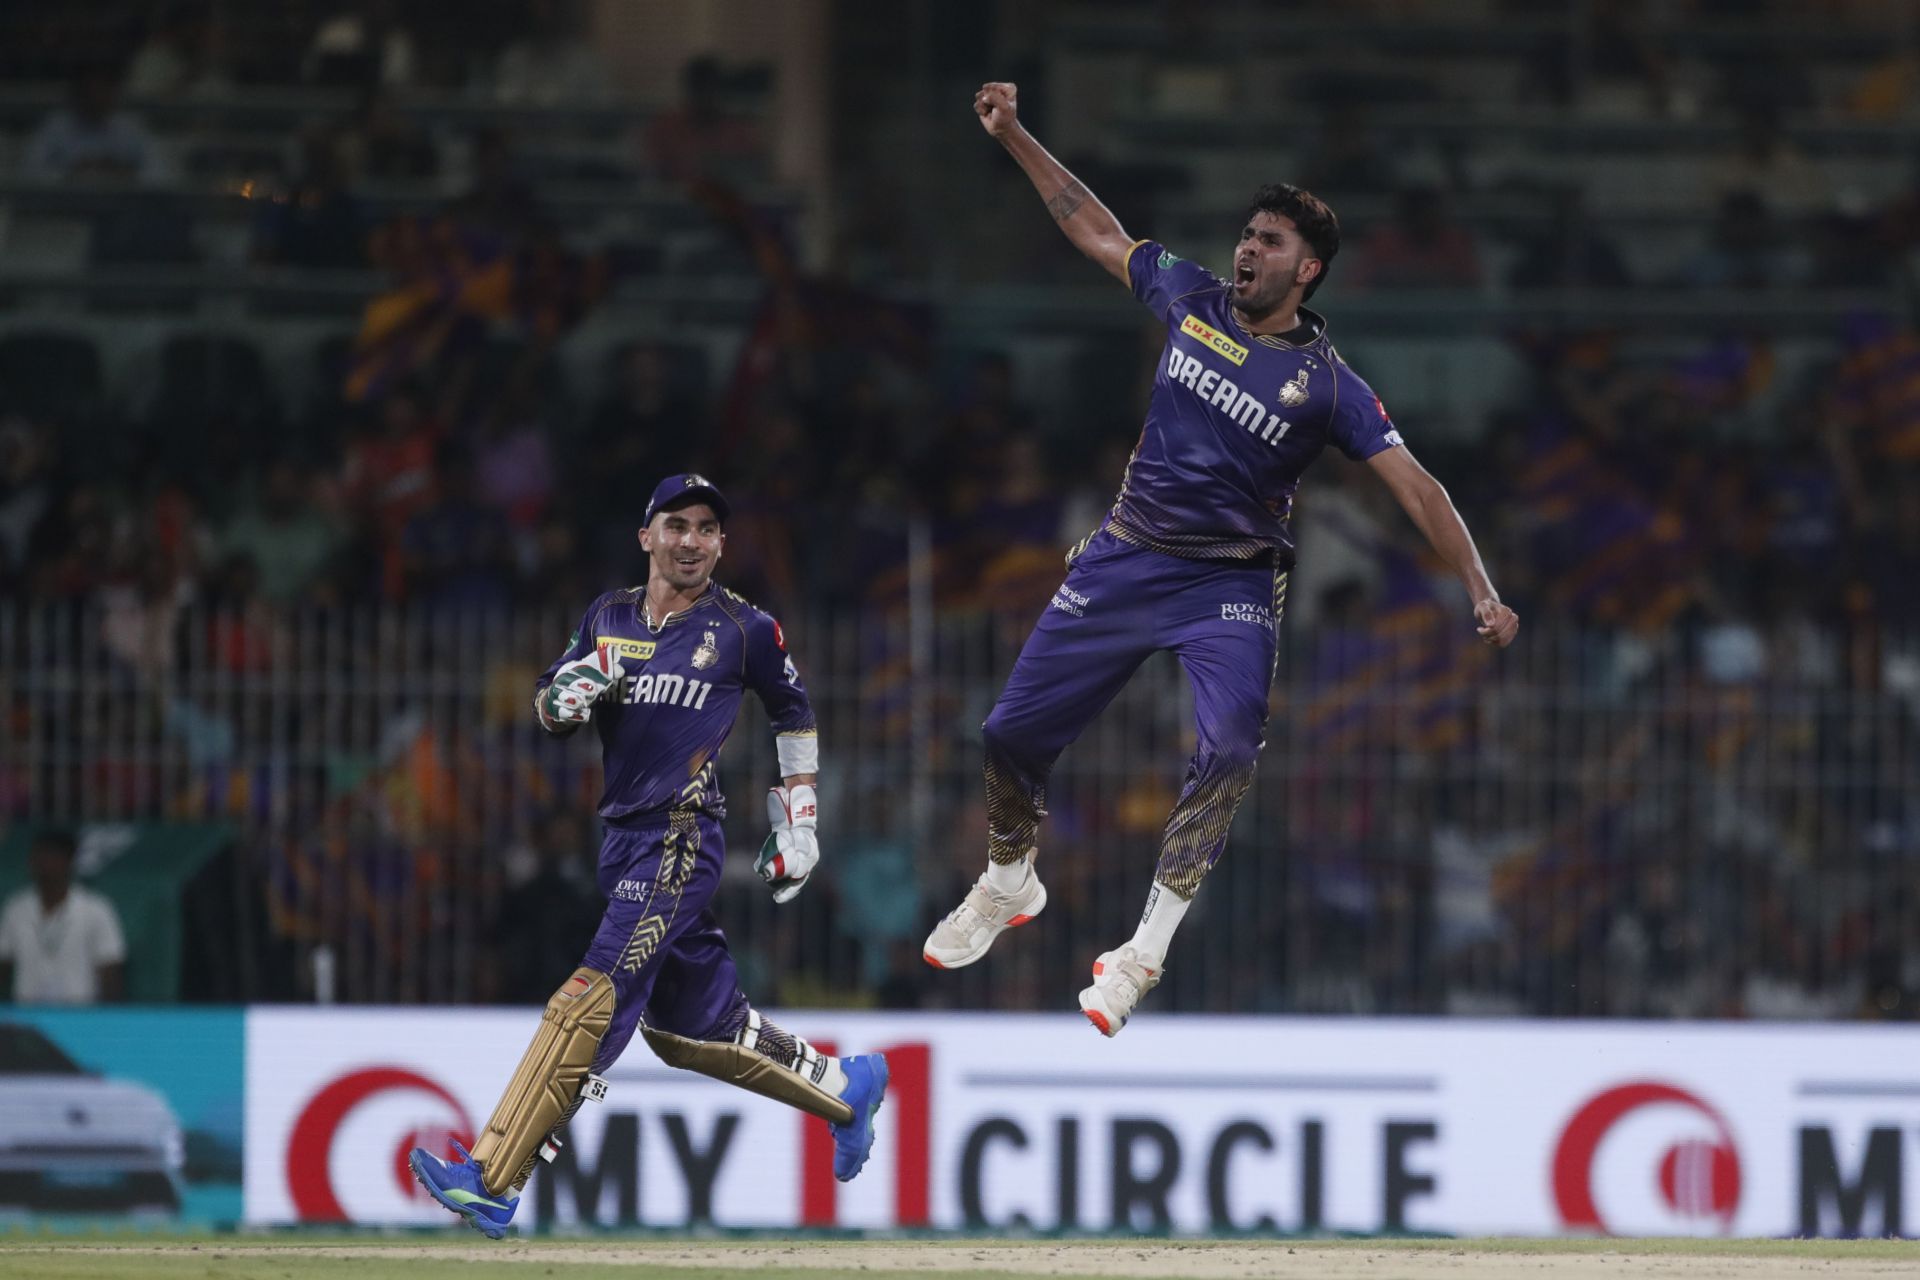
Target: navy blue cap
[{"x": 678, "y": 491}]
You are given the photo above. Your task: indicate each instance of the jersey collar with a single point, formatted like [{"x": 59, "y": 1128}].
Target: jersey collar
[
  {"x": 1312, "y": 321},
  {"x": 678, "y": 615}
]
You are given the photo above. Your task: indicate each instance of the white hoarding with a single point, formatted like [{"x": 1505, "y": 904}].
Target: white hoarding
[{"x": 1190, "y": 1124}]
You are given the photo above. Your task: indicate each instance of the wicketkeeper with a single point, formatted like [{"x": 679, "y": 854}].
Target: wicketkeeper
[{"x": 659, "y": 671}]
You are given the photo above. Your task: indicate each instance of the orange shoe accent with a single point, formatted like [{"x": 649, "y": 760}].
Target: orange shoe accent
[
  {"x": 930, "y": 960},
  {"x": 1018, "y": 920},
  {"x": 1098, "y": 968},
  {"x": 1099, "y": 1020}
]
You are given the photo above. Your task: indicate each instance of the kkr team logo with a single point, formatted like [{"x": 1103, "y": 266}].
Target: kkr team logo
[
  {"x": 707, "y": 654},
  {"x": 1293, "y": 393}
]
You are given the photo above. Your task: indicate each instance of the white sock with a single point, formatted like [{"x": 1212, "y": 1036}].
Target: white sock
[
  {"x": 822, "y": 1070},
  {"x": 1008, "y": 877},
  {"x": 1157, "y": 923}
]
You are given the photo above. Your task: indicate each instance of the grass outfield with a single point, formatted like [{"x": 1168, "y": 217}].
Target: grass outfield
[{"x": 438, "y": 1257}]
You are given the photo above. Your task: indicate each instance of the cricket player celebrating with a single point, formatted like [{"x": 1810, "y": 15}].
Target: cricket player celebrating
[
  {"x": 660, "y": 672},
  {"x": 1193, "y": 557}
]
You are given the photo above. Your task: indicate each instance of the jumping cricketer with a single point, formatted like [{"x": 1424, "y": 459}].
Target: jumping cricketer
[{"x": 1193, "y": 557}]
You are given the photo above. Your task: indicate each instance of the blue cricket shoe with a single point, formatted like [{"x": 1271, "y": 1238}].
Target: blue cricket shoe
[
  {"x": 866, "y": 1088},
  {"x": 456, "y": 1184}
]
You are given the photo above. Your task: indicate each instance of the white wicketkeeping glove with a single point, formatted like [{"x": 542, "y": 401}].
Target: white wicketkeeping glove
[
  {"x": 792, "y": 850},
  {"x": 567, "y": 703}
]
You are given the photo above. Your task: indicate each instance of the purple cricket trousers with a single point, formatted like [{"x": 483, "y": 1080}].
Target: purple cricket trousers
[
  {"x": 1119, "y": 604},
  {"x": 659, "y": 940}
]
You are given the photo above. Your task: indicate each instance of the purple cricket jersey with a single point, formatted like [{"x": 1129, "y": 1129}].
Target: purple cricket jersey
[
  {"x": 662, "y": 726},
  {"x": 1234, "y": 420}
]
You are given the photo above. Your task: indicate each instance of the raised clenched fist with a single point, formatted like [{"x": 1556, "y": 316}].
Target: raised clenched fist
[{"x": 998, "y": 106}]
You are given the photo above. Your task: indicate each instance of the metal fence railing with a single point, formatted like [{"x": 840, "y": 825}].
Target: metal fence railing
[{"x": 1724, "y": 823}]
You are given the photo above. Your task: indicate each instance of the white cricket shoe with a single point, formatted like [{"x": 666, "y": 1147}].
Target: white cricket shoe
[
  {"x": 1119, "y": 980},
  {"x": 983, "y": 915}
]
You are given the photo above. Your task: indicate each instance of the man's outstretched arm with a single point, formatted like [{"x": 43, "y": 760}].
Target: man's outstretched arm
[
  {"x": 1426, "y": 501},
  {"x": 1088, "y": 223}
]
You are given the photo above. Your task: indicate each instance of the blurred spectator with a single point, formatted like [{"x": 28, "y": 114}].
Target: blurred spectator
[
  {"x": 27, "y": 491},
  {"x": 1348, "y": 156},
  {"x": 242, "y": 632},
  {"x": 140, "y": 619},
  {"x": 388, "y": 474},
  {"x": 93, "y": 137},
  {"x": 1765, "y": 160},
  {"x": 361, "y": 45},
  {"x": 643, "y": 412},
  {"x": 543, "y": 915},
  {"x": 289, "y": 539},
  {"x": 459, "y": 550},
  {"x": 317, "y": 222},
  {"x": 384, "y": 144},
  {"x": 1571, "y": 253},
  {"x": 71, "y": 543},
  {"x": 498, "y": 200},
  {"x": 1847, "y": 253},
  {"x": 1746, "y": 249},
  {"x": 552, "y": 63},
  {"x": 513, "y": 463},
  {"x": 699, "y": 137},
  {"x": 60, "y": 943},
  {"x": 162, "y": 64},
  {"x": 184, "y": 55},
  {"x": 1421, "y": 248}
]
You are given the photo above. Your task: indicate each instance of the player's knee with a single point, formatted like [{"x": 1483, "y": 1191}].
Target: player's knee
[
  {"x": 1234, "y": 754},
  {"x": 1001, "y": 735}
]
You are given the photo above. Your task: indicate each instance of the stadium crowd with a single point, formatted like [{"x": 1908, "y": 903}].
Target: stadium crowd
[{"x": 1718, "y": 547}]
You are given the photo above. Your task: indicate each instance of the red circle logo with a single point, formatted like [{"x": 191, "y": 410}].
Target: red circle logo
[
  {"x": 310, "y": 1144},
  {"x": 1696, "y": 1178}
]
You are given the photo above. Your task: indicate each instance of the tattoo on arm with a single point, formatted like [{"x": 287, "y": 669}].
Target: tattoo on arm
[{"x": 1069, "y": 199}]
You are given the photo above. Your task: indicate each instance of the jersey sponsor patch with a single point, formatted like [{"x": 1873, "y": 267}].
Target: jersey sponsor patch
[
  {"x": 666, "y": 688},
  {"x": 621, "y": 647},
  {"x": 1166, "y": 260},
  {"x": 779, "y": 636},
  {"x": 1195, "y": 327},
  {"x": 1067, "y": 600},
  {"x": 1256, "y": 614}
]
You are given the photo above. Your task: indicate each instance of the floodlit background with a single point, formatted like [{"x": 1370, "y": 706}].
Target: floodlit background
[{"x": 340, "y": 344}]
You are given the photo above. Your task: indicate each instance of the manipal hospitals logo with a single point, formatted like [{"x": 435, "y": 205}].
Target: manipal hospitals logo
[{"x": 1695, "y": 1169}]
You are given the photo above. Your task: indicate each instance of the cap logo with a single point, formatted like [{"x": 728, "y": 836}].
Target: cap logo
[{"x": 697, "y": 482}]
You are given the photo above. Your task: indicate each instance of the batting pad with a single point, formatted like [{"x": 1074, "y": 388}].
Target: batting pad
[
  {"x": 545, "y": 1090},
  {"x": 739, "y": 1065}
]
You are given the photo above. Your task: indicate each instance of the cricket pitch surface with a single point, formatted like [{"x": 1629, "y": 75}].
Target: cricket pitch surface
[{"x": 423, "y": 1257}]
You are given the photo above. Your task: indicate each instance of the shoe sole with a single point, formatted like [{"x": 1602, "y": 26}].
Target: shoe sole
[
  {"x": 1098, "y": 1014},
  {"x": 490, "y": 1230},
  {"x": 886, "y": 1074},
  {"x": 967, "y": 958}
]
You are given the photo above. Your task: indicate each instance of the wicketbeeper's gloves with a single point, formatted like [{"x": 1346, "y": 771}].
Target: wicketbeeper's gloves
[{"x": 792, "y": 848}]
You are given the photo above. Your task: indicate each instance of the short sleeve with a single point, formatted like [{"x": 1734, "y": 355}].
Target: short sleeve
[
  {"x": 1158, "y": 278},
  {"x": 772, "y": 675},
  {"x": 1361, "y": 426},
  {"x": 579, "y": 645},
  {"x": 105, "y": 943}
]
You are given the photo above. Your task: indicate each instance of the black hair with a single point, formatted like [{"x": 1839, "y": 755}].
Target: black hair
[
  {"x": 55, "y": 840},
  {"x": 1309, "y": 215}
]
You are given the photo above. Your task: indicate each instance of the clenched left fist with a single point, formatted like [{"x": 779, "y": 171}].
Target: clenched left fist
[{"x": 567, "y": 703}]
